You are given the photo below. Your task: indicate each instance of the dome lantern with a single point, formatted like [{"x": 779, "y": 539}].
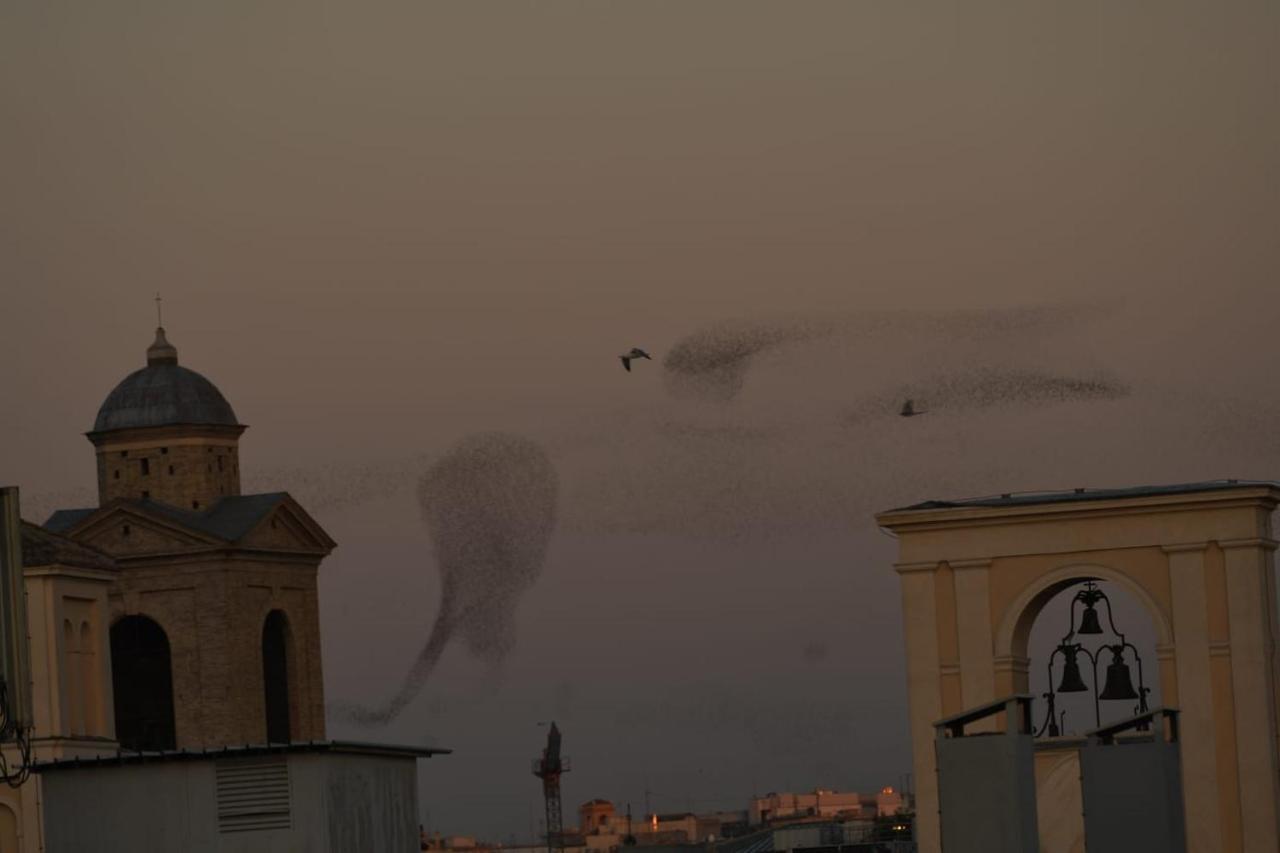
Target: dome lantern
[{"x": 161, "y": 351}]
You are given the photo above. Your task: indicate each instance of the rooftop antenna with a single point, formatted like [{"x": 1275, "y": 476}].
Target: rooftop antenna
[{"x": 159, "y": 318}]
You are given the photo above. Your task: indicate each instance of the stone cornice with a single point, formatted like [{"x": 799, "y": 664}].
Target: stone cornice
[
  {"x": 1185, "y": 547},
  {"x": 962, "y": 565},
  {"x": 1256, "y": 542},
  {"x": 58, "y": 571}
]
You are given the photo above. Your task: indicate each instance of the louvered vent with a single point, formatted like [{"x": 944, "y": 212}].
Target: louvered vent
[{"x": 253, "y": 795}]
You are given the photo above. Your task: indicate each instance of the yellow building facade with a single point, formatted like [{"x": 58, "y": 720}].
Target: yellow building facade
[{"x": 1198, "y": 557}]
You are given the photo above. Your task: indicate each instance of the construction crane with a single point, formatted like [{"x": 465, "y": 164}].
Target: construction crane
[{"x": 548, "y": 768}]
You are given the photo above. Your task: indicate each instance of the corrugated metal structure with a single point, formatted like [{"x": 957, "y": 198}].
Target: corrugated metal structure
[{"x": 330, "y": 797}]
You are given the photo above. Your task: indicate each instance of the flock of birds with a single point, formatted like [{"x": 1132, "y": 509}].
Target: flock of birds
[{"x": 908, "y": 409}]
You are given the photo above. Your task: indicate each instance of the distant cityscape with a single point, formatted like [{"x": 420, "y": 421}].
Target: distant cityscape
[{"x": 820, "y": 818}]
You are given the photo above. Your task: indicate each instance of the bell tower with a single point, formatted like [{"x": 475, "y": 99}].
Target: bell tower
[{"x": 214, "y": 610}]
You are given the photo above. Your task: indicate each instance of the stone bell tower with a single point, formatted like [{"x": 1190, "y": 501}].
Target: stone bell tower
[{"x": 215, "y": 630}]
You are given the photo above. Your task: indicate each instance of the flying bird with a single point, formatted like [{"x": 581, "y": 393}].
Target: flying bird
[
  {"x": 635, "y": 353},
  {"x": 909, "y": 409}
]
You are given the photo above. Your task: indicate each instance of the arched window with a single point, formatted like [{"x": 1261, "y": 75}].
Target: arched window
[
  {"x": 275, "y": 676},
  {"x": 142, "y": 677}
]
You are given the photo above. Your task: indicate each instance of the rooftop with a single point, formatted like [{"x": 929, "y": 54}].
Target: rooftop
[
  {"x": 229, "y": 519},
  {"x": 42, "y": 547},
  {"x": 330, "y": 746},
  {"x": 1016, "y": 499}
]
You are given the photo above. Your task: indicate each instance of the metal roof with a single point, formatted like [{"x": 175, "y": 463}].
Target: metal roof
[
  {"x": 230, "y": 518},
  {"x": 1013, "y": 499},
  {"x": 164, "y": 395},
  {"x": 64, "y": 519},
  {"x": 333, "y": 746}
]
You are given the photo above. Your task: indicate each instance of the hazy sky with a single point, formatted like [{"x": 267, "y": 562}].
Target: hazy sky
[{"x": 381, "y": 227}]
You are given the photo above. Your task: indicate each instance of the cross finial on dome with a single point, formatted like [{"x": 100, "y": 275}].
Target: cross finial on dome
[{"x": 161, "y": 351}]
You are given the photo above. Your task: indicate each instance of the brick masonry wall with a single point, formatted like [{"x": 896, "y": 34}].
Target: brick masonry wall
[
  {"x": 191, "y": 474},
  {"x": 213, "y": 611}
]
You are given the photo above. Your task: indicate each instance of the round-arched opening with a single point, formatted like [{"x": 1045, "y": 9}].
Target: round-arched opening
[
  {"x": 142, "y": 680},
  {"x": 1091, "y": 644},
  {"x": 275, "y": 676}
]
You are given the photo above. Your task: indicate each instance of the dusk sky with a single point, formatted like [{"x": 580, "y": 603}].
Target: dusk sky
[{"x": 380, "y": 228}]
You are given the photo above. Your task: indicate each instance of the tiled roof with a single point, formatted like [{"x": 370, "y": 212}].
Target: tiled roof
[
  {"x": 230, "y": 519},
  {"x": 42, "y": 547}
]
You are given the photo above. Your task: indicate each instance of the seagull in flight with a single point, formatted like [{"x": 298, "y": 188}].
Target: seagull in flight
[
  {"x": 635, "y": 353},
  {"x": 909, "y": 409}
]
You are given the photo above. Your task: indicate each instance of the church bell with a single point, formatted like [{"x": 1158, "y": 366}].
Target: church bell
[
  {"x": 1071, "y": 680},
  {"x": 1089, "y": 621},
  {"x": 1119, "y": 682}
]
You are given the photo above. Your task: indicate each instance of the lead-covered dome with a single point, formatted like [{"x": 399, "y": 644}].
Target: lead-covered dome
[{"x": 163, "y": 394}]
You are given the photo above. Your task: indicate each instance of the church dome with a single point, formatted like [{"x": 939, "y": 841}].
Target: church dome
[{"x": 163, "y": 394}]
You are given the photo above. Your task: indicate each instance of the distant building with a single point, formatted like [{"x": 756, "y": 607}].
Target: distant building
[
  {"x": 890, "y": 802},
  {"x": 602, "y": 828},
  {"x": 820, "y": 803}
]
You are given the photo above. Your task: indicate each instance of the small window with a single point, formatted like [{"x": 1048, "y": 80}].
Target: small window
[
  {"x": 195, "y": 504},
  {"x": 146, "y": 467},
  {"x": 208, "y": 467},
  {"x": 219, "y": 463},
  {"x": 164, "y": 450},
  {"x": 145, "y": 494},
  {"x": 124, "y": 531},
  {"x": 117, "y": 473},
  {"x": 273, "y": 524},
  {"x": 171, "y": 470},
  {"x": 123, "y": 453},
  {"x": 208, "y": 450}
]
